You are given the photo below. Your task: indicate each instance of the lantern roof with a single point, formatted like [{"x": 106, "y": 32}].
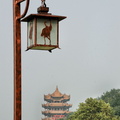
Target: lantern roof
[{"x": 32, "y": 16}]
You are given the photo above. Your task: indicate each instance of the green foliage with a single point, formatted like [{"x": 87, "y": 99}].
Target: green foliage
[
  {"x": 113, "y": 98},
  {"x": 68, "y": 116},
  {"x": 103, "y": 108},
  {"x": 93, "y": 109}
]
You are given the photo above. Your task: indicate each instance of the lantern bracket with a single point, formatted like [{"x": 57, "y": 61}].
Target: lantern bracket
[
  {"x": 26, "y": 8},
  {"x": 43, "y": 5},
  {"x": 19, "y": 1}
]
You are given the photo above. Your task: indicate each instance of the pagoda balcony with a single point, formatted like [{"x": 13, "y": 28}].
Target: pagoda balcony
[
  {"x": 55, "y": 112},
  {"x": 56, "y": 105},
  {"x": 56, "y": 100}
]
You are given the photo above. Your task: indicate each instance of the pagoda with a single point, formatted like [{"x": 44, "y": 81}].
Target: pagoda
[{"x": 56, "y": 106}]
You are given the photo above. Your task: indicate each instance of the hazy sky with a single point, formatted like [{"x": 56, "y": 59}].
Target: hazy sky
[{"x": 87, "y": 64}]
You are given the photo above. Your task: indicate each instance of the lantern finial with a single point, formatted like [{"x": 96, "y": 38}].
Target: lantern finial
[
  {"x": 43, "y": 9},
  {"x": 43, "y": 4}
]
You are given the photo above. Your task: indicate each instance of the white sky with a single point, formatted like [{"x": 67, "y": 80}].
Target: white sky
[{"x": 87, "y": 64}]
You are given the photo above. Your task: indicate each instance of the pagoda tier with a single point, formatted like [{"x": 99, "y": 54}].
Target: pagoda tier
[
  {"x": 60, "y": 99},
  {"x": 48, "y": 118},
  {"x": 54, "y": 118},
  {"x": 51, "y": 113},
  {"x": 63, "y": 106},
  {"x": 56, "y": 106}
]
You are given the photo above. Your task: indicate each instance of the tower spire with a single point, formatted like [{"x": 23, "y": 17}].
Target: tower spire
[{"x": 56, "y": 87}]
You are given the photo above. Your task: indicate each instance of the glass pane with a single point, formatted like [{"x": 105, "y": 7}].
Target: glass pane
[
  {"x": 46, "y": 32},
  {"x": 30, "y": 34}
]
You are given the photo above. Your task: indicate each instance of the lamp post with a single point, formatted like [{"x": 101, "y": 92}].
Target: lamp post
[
  {"x": 39, "y": 42},
  {"x": 17, "y": 55}
]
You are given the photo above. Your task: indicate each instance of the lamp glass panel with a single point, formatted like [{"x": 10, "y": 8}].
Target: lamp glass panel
[
  {"x": 30, "y": 33},
  {"x": 47, "y": 31}
]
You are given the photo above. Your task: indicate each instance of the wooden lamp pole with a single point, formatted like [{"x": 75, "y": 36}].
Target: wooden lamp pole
[{"x": 17, "y": 56}]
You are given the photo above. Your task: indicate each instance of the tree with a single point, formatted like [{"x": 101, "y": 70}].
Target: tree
[
  {"x": 113, "y": 98},
  {"x": 93, "y": 109}
]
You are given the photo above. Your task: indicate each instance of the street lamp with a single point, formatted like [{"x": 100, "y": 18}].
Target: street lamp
[
  {"x": 42, "y": 34},
  {"x": 43, "y": 30}
]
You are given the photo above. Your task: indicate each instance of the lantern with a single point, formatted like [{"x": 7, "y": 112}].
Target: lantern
[{"x": 43, "y": 30}]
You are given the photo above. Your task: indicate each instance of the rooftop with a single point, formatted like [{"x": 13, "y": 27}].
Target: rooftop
[{"x": 56, "y": 95}]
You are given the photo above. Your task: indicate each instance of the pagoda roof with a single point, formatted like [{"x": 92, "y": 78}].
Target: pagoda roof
[{"x": 56, "y": 94}]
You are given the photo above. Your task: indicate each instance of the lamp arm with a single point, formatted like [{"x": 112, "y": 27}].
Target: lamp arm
[
  {"x": 26, "y": 8},
  {"x": 19, "y": 1}
]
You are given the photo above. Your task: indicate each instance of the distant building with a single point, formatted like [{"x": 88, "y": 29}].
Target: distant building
[{"x": 56, "y": 106}]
